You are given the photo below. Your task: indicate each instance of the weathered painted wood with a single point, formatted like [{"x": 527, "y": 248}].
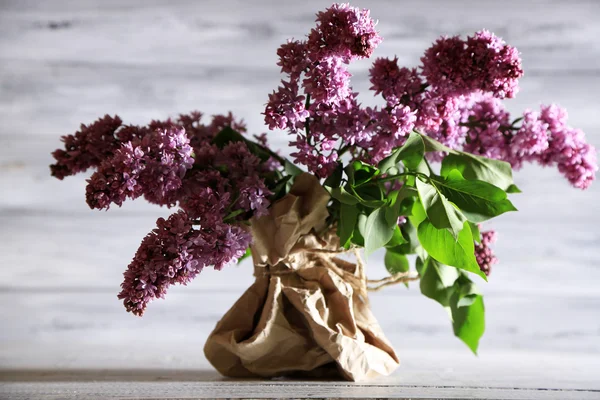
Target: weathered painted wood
[{"x": 279, "y": 390}]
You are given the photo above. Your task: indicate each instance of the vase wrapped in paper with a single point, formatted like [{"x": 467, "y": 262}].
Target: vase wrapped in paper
[
  {"x": 308, "y": 312},
  {"x": 416, "y": 176}
]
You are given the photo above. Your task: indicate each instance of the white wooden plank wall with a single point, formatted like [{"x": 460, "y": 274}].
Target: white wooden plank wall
[{"x": 66, "y": 61}]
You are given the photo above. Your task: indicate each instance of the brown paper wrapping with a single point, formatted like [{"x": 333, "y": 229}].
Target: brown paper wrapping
[{"x": 307, "y": 313}]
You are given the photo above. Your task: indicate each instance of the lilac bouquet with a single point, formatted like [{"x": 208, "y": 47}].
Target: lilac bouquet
[{"x": 416, "y": 175}]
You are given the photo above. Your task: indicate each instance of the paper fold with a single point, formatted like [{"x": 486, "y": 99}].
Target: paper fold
[{"x": 307, "y": 313}]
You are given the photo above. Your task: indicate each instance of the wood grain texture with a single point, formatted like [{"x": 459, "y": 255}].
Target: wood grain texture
[
  {"x": 279, "y": 390},
  {"x": 64, "y": 62}
]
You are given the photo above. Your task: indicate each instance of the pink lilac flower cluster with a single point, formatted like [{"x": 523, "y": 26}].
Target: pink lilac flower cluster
[
  {"x": 173, "y": 162},
  {"x": 453, "y": 66},
  {"x": 543, "y": 137},
  {"x": 454, "y": 97},
  {"x": 175, "y": 252},
  {"x": 483, "y": 253},
  {"x": 315, "y": 103}
]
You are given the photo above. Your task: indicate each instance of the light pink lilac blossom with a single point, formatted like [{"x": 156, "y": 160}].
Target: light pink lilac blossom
[{"x": 483, "y": 253}]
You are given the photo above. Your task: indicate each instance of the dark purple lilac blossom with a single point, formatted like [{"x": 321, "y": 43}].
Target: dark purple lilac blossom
[
  {"x": 174, "y": 253},
  {"x": 87, "y": 148},
  {"x": 152, "y": 166}
]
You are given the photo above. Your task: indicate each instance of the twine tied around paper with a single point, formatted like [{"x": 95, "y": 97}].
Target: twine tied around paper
[{"x": 358, "y": 280}]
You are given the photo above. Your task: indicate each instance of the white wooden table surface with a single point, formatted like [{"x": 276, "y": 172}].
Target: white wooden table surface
[{"x": 63, "y": 333}]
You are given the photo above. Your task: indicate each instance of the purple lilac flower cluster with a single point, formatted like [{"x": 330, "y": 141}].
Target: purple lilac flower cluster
[
  {"x": 454, "y": 97},
  {"x": 315, "y": 102},
  {"x": 173, "y": 162},
  {"x": 175, "y": 252},
  {"x": 483, "y": 253}
]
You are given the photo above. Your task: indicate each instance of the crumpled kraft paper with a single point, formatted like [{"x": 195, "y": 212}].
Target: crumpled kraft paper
[{"x": 307, "y": 313}]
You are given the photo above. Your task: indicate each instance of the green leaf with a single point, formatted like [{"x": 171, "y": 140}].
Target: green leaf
[
  {"x": 369, "y": 194},
  {"x": 477, "y": 200},
  {"x": 496, "y": 172},
  {"x": 341, "y": 195},
  {"x": 409, "y": 232},
  {"x": 247, "y": 254},
  {"x": 377, "y": 230},
  {"x": 397, "y": 238},
  {"x": 360, "y": 172},
  {"x": 440, "y": 211},
  {"x": 433, "y": 145},
  {"x": 459, "y": 296},
  {"x": 291, "y": 169},
  {"x": 441, "y": 245},
  {"x": 233, "y": 214},
  {"x": 395, "y": 262},
  {"x": 346, "y": 224},
  {"x": 335, "y": 178},
  {"x": 468, "y": 317},
  {"x": 475, "y": 232},
  {"x": 513, "y": 189},
  {"x": 281, "y": 188},
  {"x": 418, "y": 213},
  {"x": 437, "y": 281},
  {"x": 227, "y": 135},
  {"x": 411, "y": 153}
]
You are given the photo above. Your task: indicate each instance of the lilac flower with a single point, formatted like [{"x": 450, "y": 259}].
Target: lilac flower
[
  {"x": 496, "y": 65},
  {"x": 327, "y": 81},
  {"x": 575, "y": 159},
  {"x": 345, "y": 32},
  {"x": 162, "y": 260},
  {"x": 285, "y": 108},
  {"x": 254, "y": 195},
  {"x": 205, "y": 195},
  {"x": 482, "y": 62},
  {"x": 221, "y": 244},
  {"x": 398, "y": 121},
  {"x": 567, "y": 148},
  {"x": 87, "y": 148},
  {"x": 239, "y": 160},
  {"x": 440, "y": 117},
  {"x": 532, "y": 138},
  {"x": 346, "y": 121},
  {"x": 117, "y": 179},
  {"x": 169, "y": 156},
  {"x": 555, "y": 116},
  {"x": 321, "y": 165},
  {"x": 173, "y": 253},
  {"x": 293, "y": 58},
  {"x": 392, "y": 128},
  {"x": 445, "y": 65},
  {"x": 153, "y": 166},
  {"x": 487, "y": 117},
  {"x": 483, "y": 253},
  {"x": 394, "y": 83}
]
